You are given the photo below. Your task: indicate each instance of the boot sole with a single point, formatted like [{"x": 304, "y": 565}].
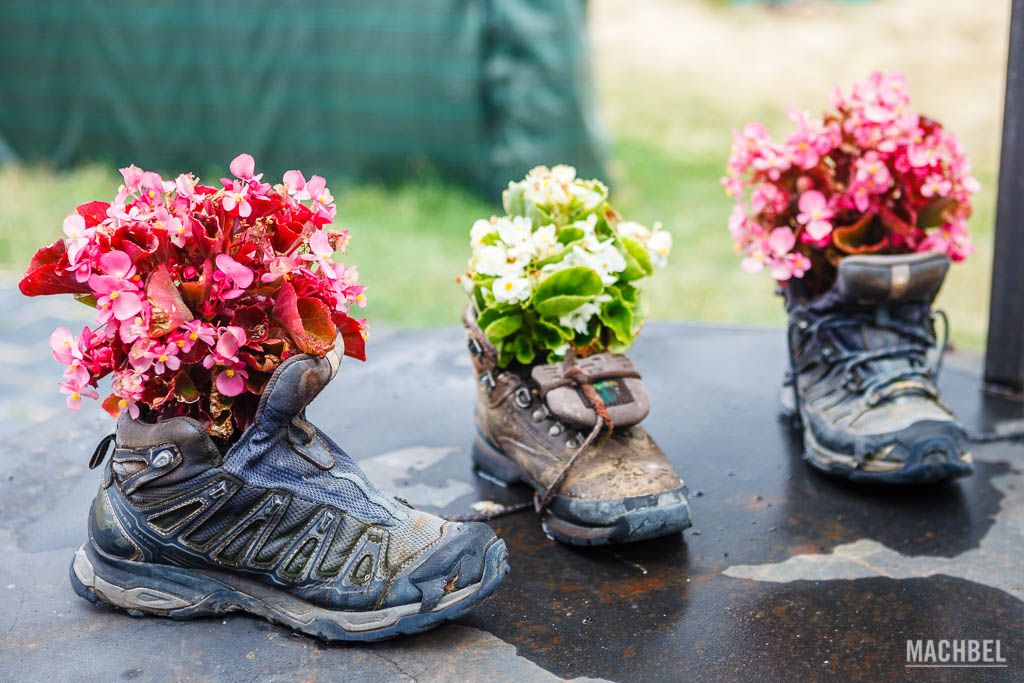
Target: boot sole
[
  {"x": 629, "y": 520},
  {"x": 179, "y": 593},
  {"x": 844, "y": 466}
]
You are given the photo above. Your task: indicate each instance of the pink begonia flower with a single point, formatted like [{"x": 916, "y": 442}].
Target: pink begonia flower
[
  {"x": 131, "y": 330},
  {"x": 771, "y": 162},
  {"x": 185, "y": 184},
  {"x": 231, "y": 380},
  {"x": 815, "y": 214},
  {"x": 752, "y": 264},
  {"x": 237, "y": 197},
  {"x": 196, "y": 331},
  {"x": 243, "y": 166},
  {"x": 781, "y": 241},
  {"x": 165, "y": 357},
  {"x": 75, "y": 393},
  {"x": 225, "y": 352},
  {"x": 935, "y": 186},
  {"x": 278, "y": 267},
  {"x": 321, "y": 252},
  {"x": 235, "y": 274},
  {"x": 296, "y": 184},
  {"x": 323, "y": 200},
  {"x": 164, "y": 220},
  {"x": 63, "y": 345},
  {"x": 118, "y": 293},
  {"x": 872, "y": 172},
  {"x": 140, "y": 355},
  {"x": 132, "y": 177}
]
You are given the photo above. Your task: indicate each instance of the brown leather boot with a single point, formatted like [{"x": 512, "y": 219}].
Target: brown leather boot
[{"x": 571, "y": 431}]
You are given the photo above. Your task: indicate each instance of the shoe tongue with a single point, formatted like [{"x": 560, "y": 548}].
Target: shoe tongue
[
  {"x": 897, "y": 278},
  {"x": 297, "y": 382}
]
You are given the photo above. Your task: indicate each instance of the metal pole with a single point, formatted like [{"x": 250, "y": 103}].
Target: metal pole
[{"x": 1004, "y": 356}]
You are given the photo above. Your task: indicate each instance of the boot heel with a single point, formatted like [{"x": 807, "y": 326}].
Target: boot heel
[
  {"x": 494, "y": 465},
  {"x": 166, "y": 591}
]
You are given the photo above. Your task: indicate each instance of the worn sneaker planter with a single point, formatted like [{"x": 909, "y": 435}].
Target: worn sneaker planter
[
  {"x": 221, "y": 314},
  {"x": 857, "y": 215},
  {"x": 864, "y": 365},
  {"x": 284, "y": 526},
  {"x": 555, "y": 302}
]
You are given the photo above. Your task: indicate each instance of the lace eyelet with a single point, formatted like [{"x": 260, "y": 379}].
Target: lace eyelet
[{"x": 523, "y": 398}]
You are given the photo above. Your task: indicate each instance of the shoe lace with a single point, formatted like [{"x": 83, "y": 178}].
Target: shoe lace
[{"x": 880, "y": 383}]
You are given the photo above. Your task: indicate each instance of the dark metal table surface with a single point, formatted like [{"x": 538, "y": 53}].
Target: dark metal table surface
[{"x": 785, "y": 576}]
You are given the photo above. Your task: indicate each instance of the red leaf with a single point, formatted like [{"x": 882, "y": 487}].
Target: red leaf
[
  {"x": 46, "y": 255},
  {"x": 254, "y": 321},
  {"x": 48, "y": 274},
  {"x": 94, "y": 213},
  {"x": 352, "y": 334},
  {"x": 169, "y": 310},
  {"x": 307, "y": 320},
  {"x": 112, "y": 404}
]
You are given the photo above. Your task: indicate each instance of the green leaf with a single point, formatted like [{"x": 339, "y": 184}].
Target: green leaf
[
  {"x": 554, "y": 258},
  {"x": 566, "y": 290},
  {"x": 638, "y": 261},
  {"x": 551, "y": 335},
  {"x": 619, "y": 319},
  {"x": 570, "y": 234},
  {"x": 503, "y": 327},
  {"x": 524, "y": 350}
]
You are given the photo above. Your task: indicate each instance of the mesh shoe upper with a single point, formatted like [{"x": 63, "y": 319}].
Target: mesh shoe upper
[
  {"x": 285, "y": 505},
  {"x": 862, "y": 358}
]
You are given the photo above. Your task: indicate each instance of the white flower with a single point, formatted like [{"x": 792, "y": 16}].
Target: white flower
[
  {"x": 545, "y": 242},
  {"x": 514, "y": 231},
  {"x": 640, "y": 233},
  {"x": 605, "y": 259},
  {"x": 481, "y": 229},
  {"x": 494, "y": 259},
  {"x": 579, "y": 319},
  {"x": 507, "y": 289},
  {"x": 659, "y": 246}
]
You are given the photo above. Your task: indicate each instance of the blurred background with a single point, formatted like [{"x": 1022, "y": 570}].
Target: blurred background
[{"x": 419, "y": 111}]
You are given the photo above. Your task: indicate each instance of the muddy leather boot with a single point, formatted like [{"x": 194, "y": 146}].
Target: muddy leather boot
[
  {"x": 865, "y": 361},
  {"x": 548, "y": 426},
  {"x": 284, "y": 526}
]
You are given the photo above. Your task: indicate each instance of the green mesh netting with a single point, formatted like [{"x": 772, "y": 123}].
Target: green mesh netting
[{"x": 481, "y": 90}]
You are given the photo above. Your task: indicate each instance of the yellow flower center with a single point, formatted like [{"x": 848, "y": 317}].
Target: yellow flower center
[
  {"x": 114, "y": 295},
  {"x": 122, "y": 404},
  {"x": 163, "y": 357},
  {"x": 76, "y": 396},
  {"x": 229, "y": 372},
  {"x": 193, "y": 336},
  {"x": 181, "y": 343}
]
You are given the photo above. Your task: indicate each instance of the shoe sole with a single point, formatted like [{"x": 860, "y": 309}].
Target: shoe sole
[
  {"x": 843, "y": 466},
  {"x": 630, "y": 523},
  {"x": 179, "y": 593}
]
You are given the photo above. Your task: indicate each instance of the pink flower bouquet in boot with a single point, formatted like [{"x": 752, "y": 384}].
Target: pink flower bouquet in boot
[
  {"x": 858, "y": 214},
  {"x": 200, "y": 292}
]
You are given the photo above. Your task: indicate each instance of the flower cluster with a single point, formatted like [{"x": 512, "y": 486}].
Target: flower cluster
[
  {"x": 560, "y": 269},
  {"x": 200, "y": 292},
  {"x": 871, "y": 176}
]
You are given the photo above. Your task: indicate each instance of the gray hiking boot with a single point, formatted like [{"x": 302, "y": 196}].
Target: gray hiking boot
[
  {"x": 865, "y": 381},
  {"x": 284, "y": 526},
  {"x": 595, "y": 482}
]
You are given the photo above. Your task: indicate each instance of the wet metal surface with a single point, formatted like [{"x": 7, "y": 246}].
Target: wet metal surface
[{"x": 785, "y": 576}]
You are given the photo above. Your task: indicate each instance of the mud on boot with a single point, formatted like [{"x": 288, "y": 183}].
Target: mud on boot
[
  {"x": 863, "y": 371},
  {"x": 572, "y": 432},
  {"x": 284, "y": 526}
]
